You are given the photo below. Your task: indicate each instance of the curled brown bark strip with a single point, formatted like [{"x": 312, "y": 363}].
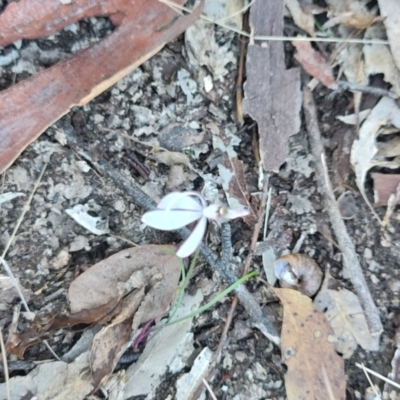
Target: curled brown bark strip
[
  {"x": 345, "y": 243},
  {"x": 31, "y": 106}
]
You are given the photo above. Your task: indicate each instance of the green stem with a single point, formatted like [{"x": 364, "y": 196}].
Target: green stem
[{"x": 215, "y": 299}]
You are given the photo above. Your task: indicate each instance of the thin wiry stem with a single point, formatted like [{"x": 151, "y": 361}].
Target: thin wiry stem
[
  {"x": 24, "y": 210},
  {"x": 5, "y": 365},
  {"x": 175, "y": 6},
  {"x": 6, "y": 266}
]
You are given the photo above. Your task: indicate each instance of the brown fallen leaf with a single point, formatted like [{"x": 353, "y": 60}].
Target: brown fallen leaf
[
  {"x": 125, "y": 290},
  {"x": 314, "y": 63},
  {"x": 150, "y": 269},
  {"x": 31, "y": 106},
  {"x": 315, "y": 371},
  {"x": 41, "y": 328},
  {"x": 107, "y": 348},
  {"x": 272, "y": 93}
]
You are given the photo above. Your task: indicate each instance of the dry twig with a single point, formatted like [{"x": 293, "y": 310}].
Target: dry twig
[
  {"x": 4, "y": 263},
  {"x": 5, "y": 364},
  {"x": 350, "y": 258}
]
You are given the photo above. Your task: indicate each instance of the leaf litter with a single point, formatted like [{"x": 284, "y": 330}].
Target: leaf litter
[
  {"x": 113, "y": 291},
  {"x": 120, "y": 316},
  {"x": 315, "y": 370},
  {"x": 345, "y": 315}
]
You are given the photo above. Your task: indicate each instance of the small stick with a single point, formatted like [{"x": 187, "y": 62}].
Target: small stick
[
  {"x": 239, "y": 80},
  {"x": 267, "y": 211},
  {"x": 4, "y": 263},
  {"x": 136, "y": 164},
  {"x": 346, "y": 245},
  {"x": 208, "y": 387},
  {"x": 24, "y": 211},
  {"x": 387, "y": 380},
  {"x": 254, "y": 238},
  {"x": 374, "y": 91},
  {"x": 5, "y": 365}
]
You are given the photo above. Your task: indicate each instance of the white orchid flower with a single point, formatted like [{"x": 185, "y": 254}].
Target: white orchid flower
[{"x": 177, "y": 210}]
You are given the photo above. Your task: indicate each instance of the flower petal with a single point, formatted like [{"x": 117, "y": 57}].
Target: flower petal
[
  {"x": 170, "y": 220},
  {"x": 190, "y": 245},
  {"x": 182, "y": 201},
  {"x": 212, "y": 211}
]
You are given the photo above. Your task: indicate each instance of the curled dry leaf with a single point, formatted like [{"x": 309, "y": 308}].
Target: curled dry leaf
[
  {"x": 353, "y": 14},
  {"x": 299, "y": 272},
  {"x": 345, "y": 315},
  {"x": 125, "y": 290},
  {"x": 314, "y": 63},
  {"x": 379, "y": 59},
  {"x": 40, "y": 330},
  {"x": 390, "y": 11},
  {"x": 364, "y": 152},
  {"x": 31, "y": 106},
  {"x": 315, "y": 371},
  {"x": 152, "y": 267},
  {"x": 231, "y": 172},
  {"x": 303, "y": 19}
]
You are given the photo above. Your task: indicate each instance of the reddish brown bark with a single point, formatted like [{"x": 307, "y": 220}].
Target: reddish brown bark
[{"x": 31, "y": 106}]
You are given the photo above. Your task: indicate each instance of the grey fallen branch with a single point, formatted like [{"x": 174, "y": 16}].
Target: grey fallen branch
[
  {"x": 144, "y": 201},
  {"x": 346, "y": 245},
  {"x": 374, "y": 91}
]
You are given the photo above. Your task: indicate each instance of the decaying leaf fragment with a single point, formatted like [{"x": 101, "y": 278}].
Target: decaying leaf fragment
[
  {"x": 272, "y": 93},
  {"x": 364, "y": 152},
  {"x": 232, "y": 173},
  {"x": 343, "y": 311},
  {"x": 52, "y": 380},
  {"x": 315, "y": 371},
  {"x": 125, "y": 290},
  {"x": 315, "y": 64},
  {"x": 353, "y": 14},
  {"x": 385, "y": 185},
  {"x": 304, "y": 20},
  {"x": 378, "y": 59},
  {"x": 151, "y": 267},
  {"x": 390, "y": 11},
  {"x": 31, "y": 106},
  {"x": 164, "y": 351}
]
